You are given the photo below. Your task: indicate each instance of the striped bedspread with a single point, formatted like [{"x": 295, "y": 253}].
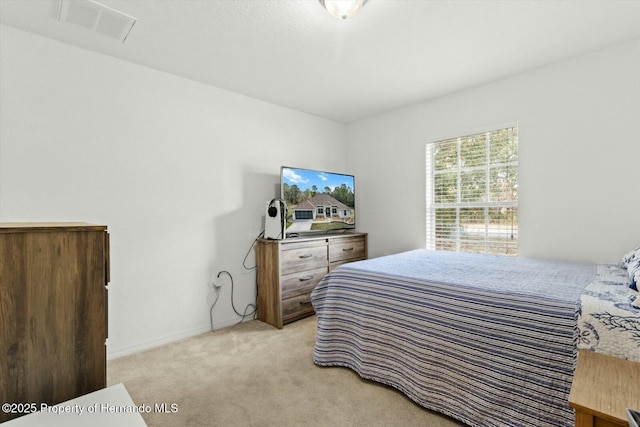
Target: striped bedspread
[{"x": 487, "y": 340}]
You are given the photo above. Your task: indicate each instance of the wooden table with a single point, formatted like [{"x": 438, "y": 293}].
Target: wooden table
[{"x": 603, "y": 387}]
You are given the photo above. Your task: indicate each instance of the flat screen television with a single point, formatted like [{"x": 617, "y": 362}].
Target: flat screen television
[{"x": 317, "y": 201}]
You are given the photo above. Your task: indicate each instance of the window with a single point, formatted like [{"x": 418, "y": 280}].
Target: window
[{"x": 472, "y": 193}]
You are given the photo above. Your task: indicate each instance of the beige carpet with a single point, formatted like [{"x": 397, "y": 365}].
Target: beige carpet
[{"x": 255, "y": 375}]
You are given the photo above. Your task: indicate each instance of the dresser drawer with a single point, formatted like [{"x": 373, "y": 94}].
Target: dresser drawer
[
  {"x": 296, "y": 307},
  {"x": 350, "y": 248},
  {"x": 301, "y": 282},
  {"x": 303, "y": 256},
  {"x": 289, "y": 270}
]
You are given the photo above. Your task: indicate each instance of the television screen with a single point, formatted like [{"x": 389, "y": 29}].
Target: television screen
[{"x": 317, "y": 201}]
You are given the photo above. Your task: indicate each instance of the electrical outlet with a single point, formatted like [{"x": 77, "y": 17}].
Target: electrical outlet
[
  {"x": 217, "y": 279},
  {"x": 213, "y": 284}
]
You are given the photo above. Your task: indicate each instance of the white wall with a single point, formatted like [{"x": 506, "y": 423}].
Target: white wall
[
  {"x": 579, "y": 127},
  {"x": 178, "y": 171}
]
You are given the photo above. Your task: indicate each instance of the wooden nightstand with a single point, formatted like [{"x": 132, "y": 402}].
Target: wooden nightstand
[{"x": 603, "y": 387}]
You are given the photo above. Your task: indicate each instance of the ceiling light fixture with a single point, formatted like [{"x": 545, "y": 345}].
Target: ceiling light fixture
[{"x": 343, "y": 9}]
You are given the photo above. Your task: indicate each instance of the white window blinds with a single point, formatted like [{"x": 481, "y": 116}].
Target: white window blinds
[{"x": 472, "y": 193}]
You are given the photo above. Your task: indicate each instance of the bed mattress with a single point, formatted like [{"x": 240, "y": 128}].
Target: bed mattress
[{"x": 488, "y": 340}]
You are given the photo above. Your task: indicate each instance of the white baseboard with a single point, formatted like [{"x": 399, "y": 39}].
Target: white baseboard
[{"x": 147, "y": 345}]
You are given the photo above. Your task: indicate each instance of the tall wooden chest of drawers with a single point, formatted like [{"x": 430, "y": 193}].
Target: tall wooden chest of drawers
[
  {"x": 53, "y": 313},
  {"x": 288, "y": 270}
]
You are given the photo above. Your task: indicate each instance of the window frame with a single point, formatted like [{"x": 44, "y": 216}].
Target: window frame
[{"x": 485, "y": 244}]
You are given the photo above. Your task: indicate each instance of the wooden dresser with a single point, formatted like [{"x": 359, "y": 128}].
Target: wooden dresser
[
  {"x": 53, "y": 313},
  {"x": 288, "y": 270},
  {"x": 603, "y": 387}
]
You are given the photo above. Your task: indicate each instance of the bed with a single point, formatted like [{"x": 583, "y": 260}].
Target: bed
[
  {"x": 487, "y": 340},
  {"x": 609, "y": 315}
]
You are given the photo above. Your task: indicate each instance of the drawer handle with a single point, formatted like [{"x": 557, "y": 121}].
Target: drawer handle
[
  {"x": 305, "y": 302},
  {"x": 347, "y": 249},
  {"x": 305, "y": 256},
  {"x": 305, "y": 278}
]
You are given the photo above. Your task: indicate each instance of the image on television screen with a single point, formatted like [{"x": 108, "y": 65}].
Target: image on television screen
[{"x": 318, "y": 201}]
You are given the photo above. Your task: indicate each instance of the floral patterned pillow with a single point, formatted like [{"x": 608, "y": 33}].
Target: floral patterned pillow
[
  {"x": 634, "y": 273},
  {"x": 630, "y": 257}
]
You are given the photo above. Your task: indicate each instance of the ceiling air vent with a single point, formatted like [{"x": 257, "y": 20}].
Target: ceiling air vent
[{"x": 96, "y": 17}]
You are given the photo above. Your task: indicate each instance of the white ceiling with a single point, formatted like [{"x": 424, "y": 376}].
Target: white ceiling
[{"x": 393, "y": 54}]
